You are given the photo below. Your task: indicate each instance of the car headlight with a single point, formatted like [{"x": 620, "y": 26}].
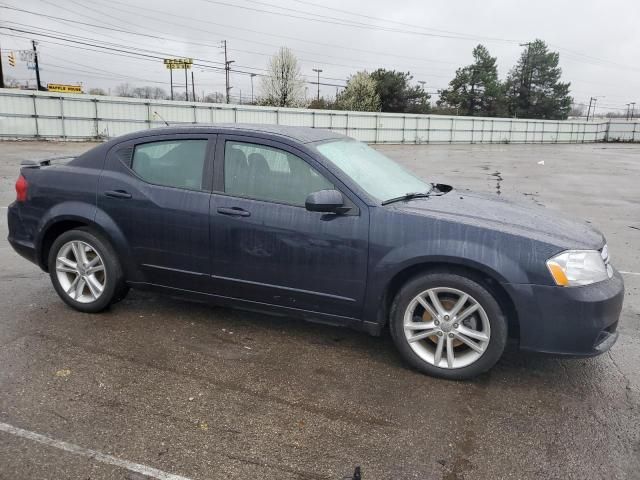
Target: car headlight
[{"x": 573, "y": 268}]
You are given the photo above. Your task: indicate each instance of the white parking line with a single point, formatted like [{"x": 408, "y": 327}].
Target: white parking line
[{"x": 86, "y": 452}]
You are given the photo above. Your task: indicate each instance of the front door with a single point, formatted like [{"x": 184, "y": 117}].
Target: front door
[
  {"x": 267, "y": 248},
  {"x": 157, "y": 191}
]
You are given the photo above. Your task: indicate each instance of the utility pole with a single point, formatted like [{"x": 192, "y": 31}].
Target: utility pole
[
  {"x": 227, "y": 69},
  {"x": 171, "y": 79},
  {"x": 252, "y": 75},
  {"x": 593, "y": 114},
  {"x": 1, "y": 74},
  {"x": 35, "y": 61},
  {"x": 186, "y": 84},
  {"x": 633, "y": 107},
  {"x": 193, "y": 87},
  {"x": 589, "y": 111},
  {"x": 318, "y": 71},
  {"x": 626, "y": 117}
]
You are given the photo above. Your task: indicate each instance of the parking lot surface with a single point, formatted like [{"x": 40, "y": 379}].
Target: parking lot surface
[{"x": 205, "y": 393}]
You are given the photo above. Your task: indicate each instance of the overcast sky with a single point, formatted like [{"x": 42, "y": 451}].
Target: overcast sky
[{"x": 598, "y": 42}]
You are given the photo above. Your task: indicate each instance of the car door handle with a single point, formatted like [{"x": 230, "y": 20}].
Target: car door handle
[
  {"x": 117, "y": 194},
  {"x": 234, "y": 212}
]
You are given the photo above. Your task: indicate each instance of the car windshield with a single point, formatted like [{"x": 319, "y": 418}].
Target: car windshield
[{"x": 379, "y": 176}]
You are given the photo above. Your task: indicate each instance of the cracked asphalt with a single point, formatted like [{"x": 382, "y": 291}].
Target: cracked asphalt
[{"x": 208, "y": 393}]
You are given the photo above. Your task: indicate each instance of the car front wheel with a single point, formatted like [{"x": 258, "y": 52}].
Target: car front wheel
[
  {"x": 85, "y": 271},
  {"x": 448, "y": 325}
]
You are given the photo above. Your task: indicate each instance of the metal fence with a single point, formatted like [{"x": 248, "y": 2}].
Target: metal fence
[{"x": 44, "y": 115}]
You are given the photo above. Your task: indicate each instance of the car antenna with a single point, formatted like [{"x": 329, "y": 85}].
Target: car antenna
[{"x": 160, "y": 117}]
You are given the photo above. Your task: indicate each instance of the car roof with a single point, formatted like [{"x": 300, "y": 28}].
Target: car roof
[{"x": 298, "y": 134}]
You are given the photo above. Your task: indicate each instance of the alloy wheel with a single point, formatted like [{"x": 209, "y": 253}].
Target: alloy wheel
[
  {"x": 80, "y": 271},
  {"x": 447, "y": 327}
]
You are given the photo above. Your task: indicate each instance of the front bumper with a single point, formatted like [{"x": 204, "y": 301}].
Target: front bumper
[{"x": 573, "y": 321}]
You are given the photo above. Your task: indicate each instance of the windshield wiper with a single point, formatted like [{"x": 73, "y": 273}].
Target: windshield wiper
[
  {"x": 433, "y": 191},
  {"x": 407, "y": 196}
]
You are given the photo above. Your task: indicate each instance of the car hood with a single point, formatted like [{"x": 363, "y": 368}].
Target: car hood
[{"x": 492, "y": 211}]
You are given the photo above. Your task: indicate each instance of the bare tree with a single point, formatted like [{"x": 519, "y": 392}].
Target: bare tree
[
  {"x": 11, "y": 82},
  {"x": 215, "y": 97},
  {"x": 360, "y": 94},
  {"x": 149, "y": 92},
  {"x": 123, "y": 90},
  {"x": 283, "y": 85},
  {"x": 97, "y": 91},
  {"x": 577, "y": 110}
]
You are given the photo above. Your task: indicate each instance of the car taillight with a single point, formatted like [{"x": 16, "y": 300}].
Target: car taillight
[{"x": 21, "y": 189}]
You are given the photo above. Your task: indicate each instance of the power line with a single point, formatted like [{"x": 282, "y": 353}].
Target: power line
[
  {"x": 204, "y": 44},
  {"x": 425, "y": 30},
  {"x": 259, "y": 32},
  {"x": 70, "y": 37},
  {"x": 147, "y": 54},
  {"x": 458, "y": 35},
  {"x": 60, "y": 7},
  {"x": 132, "y": 33},
  {"x": 155, "y": 37},
  {"x": 336, "y": 21},
  {"x": 376, "y": 27},
  {"x": 129, "y": 52},
  {"x": 97, "y": 70},
  {"x": 209, "y": 45},
  {"x": 461, "y": 34}
]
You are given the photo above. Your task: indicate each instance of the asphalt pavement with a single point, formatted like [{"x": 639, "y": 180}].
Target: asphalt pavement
[{"x": 158, "y": 387}]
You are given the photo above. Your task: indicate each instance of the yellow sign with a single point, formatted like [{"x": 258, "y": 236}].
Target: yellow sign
[
  {"x": 178, "y": 63},
  {"x": 12, "y": 59},
  {"x": 56, "y": 87}
]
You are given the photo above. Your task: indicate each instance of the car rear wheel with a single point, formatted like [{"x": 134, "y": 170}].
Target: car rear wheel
[
  {"x": 448, "y": 325},
  {"x": 85, "y": 271}
]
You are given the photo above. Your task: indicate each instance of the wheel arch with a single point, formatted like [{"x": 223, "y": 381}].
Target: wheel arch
[
  {"x": 487, "y": 278},
  {"x": 99, "y": 223},
  {"x": 51, "y": 232}
]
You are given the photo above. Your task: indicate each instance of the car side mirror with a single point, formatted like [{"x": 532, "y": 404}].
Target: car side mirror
[{"x": 327, "y": 201}]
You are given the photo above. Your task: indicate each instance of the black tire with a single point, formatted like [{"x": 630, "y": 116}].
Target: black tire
[
  {"x": 436, "y": 279},
  {"x": 122, "y": 294},
  {"x": 114, "y": 286}
]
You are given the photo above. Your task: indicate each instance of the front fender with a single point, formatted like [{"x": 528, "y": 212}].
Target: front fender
[{"x": 477, "y": 256}]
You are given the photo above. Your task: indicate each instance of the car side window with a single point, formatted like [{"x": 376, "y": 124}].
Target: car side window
[
  {"x": 267, "y": 173},
  {"x": 172, "y": 163}
]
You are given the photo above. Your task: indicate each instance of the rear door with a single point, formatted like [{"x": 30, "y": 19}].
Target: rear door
[
  {"x": 267, "y": 248},
  {"x": 157, "y": 190}
]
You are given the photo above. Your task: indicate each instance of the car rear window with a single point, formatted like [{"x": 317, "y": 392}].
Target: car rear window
[{"x": 173, "y": 163}]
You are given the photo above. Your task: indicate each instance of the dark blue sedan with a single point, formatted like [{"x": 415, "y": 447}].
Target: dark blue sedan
[{"x": 312, "y": 224}]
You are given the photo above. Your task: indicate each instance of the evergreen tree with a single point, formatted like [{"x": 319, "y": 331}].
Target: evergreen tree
[
  {"x": 533, "y": 87},
  {"x": 475, "y": 90},
  {"x": 396, "y": 93}
]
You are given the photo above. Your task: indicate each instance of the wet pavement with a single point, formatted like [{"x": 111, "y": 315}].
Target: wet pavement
[{"x": 205, "y": 392}]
